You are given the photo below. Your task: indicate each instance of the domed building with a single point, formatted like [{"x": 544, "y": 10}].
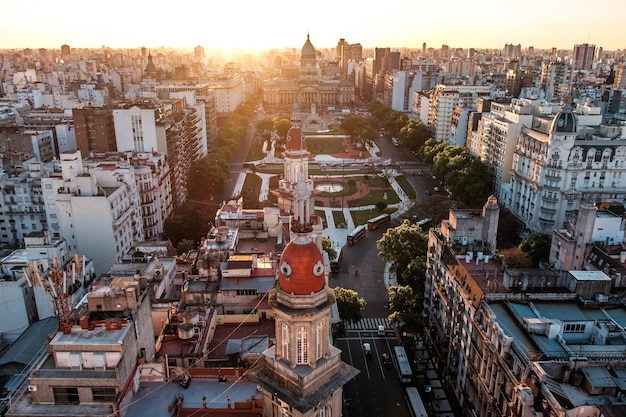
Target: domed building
[
  {"x": 309, "y": 68},
  {"x": 308, "y": 87}
]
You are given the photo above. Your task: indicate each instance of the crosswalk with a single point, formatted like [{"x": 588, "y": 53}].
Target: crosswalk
[{"x": 369, "y": 323}]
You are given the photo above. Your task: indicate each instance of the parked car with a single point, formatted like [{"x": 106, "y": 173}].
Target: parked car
[
  {"x": 436, "y": 189},
  {"x": 367, "y": 349},
  {"x": 386, "y": 358},
  {"x": 428, "y": 192}
]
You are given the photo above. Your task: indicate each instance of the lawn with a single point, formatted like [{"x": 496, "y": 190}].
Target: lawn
[
  {"x": 374, "y": 196},
  {"x": 256, "y": 151},
  {"x": 339, "y": 218},
  {"x": 406, "y": 187},
  {"x": 329, "y": 146},
  {"x": 322, "y": 216},
  {"x": 362, "y": 216}
]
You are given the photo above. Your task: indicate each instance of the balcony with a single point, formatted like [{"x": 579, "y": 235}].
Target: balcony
[
  {"x": 545, "y": 197},
  {"x": 546, "y": 220},
  {"x": 548, "y": 209}
]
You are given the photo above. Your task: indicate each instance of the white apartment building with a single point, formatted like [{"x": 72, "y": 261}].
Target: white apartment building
[
  {"x": 96, "y": 210},
  {"x": 494, "y": 141},
  {"x": 169, "y": 127},
  {"x": 21, "y": 302},
  {"x": 152, "y": 174},
  {"x": 230, "y": 92},
  {"x": 557, "y": 165},
  {"x": 445, "y": 99},
  {"x": 399, "y": 88}
]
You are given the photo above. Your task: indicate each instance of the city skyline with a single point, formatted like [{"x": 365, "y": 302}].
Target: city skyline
[{"x": 228, "y": 25}]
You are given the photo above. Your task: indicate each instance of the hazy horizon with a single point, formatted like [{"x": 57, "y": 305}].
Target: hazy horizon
[{"x": 277, "y": 24}]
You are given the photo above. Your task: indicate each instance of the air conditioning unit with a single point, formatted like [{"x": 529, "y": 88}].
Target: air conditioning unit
[{"x": 32, "y": 387}]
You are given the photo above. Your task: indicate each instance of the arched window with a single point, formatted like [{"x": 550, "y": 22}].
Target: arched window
[
  {"x": 325, "y": 411},
  {"x": 284, "y": 330},
  {"x": 319, "y": 340},
  {"x": 302, "y": 346}
]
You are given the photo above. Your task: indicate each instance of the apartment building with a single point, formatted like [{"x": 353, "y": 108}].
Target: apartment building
[
  {"x": 558, "y": 163},
  {"x": 519, "y": 342},
  {"x": 95, "y": 209},
  {"x": 168, "y": 127},
  {"x": 91, "y": 363},
  {"x": 445, "y": 99},
  {"x": 556, "y": 80},
  {"x": 153, "y": 185},
  {"x": 95, "y": 130}
]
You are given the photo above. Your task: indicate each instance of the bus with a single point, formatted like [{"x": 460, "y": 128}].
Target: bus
[
  {"x": 356, "y": 235},
  {"x": 415, "y": 402},
  {"x": 376, "y": 222},
  {"x": 404, "y": 367}
]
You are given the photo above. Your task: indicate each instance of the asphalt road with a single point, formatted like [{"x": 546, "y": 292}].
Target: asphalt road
[{"x": 377, "y": 390}]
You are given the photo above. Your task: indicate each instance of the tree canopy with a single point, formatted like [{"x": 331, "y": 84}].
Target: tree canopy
[
  {"x": 358, "y": 128},
  {"x": 465, "y": 175},
  {"x": 401, "y": 244},
  {"x": 537, "y": 245},
  {"x": 327, "y": 246},
  {"x": 349, "y": 304},
  {"x": 403, "y": 302}
]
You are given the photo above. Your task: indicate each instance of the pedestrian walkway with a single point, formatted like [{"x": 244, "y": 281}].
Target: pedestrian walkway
[{"x": 369, "y": 323}]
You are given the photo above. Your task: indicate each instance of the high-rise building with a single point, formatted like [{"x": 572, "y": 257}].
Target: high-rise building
[
  {"x": 94, "y": 129},
  {"x": 556, "y": 80},
  {"x": 582, "y": 57},
  {"x": 65, "y": 50}
]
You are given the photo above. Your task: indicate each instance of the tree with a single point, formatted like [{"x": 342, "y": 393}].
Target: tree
[
  {"x": 515, "y": 258},
  {"x": 184, "y": 246},
  {"x": 537, "y": 246},
  {"x": 404, "y": 306},
  {"x": 358, "y": 128},
  {"x": 327, "y": 246},
  {"x": 402, "y": 244},
  {"x": 509, "y": 228},
  {"x": 349, "y": 304},
  {"x": 265, "y": 128},
  {"x": 282, "y": 126}
]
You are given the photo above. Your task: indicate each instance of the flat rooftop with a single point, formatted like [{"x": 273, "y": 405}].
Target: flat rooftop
[{"x": 153, "y": 398}]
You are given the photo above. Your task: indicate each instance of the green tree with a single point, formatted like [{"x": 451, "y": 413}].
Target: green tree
[
  {"x": 404, "y": 307},
  {"x": 282, "y": 126},
  {"x": 509, "y": 228},
  {"x": 265, "y": 128},
  {"x": 358, "y": 128},
  {"x": 327, "y": 246},
  {"x": 537, "y": 245},
  {"x": 402, "y": 244},
  {"x": 414, "y": 135},
  {"x": 184, "y": 246},
  {"x": 349, "y": 304}
]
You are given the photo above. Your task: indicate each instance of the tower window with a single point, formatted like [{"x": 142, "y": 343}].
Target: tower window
[
  {"x": 285, "y": 340},
  {"x": 302, "y": 346}
]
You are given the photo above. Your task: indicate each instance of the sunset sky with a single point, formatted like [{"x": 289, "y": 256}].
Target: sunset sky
[{"x": 251, "y": 24}]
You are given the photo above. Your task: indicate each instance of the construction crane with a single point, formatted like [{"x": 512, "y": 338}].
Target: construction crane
[{"x": 55, "y": 283}]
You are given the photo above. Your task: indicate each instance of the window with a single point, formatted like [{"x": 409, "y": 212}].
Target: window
[
  {"x": 572, "y": 328},
  {"x": 65, "y": 395},
  {"x": 319, "y": 338},
  {"x": 285, "y": 340},
  {"x": 103, "y": 394},
  {"x": 302, "y": 346}
]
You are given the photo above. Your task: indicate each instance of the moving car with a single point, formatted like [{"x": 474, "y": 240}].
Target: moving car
[
  {"x": 386, "y": 358},
  {"x": 367, "y": 349}
]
